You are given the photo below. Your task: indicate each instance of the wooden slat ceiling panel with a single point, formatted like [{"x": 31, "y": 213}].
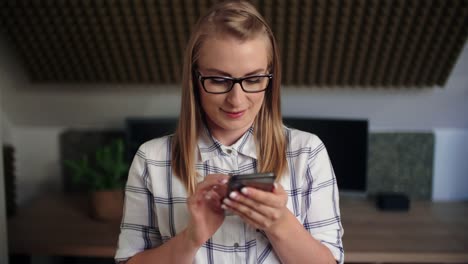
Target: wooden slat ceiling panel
[{"x": 323, "y": 43}]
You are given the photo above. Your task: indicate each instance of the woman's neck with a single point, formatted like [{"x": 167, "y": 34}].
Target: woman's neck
[{"x": 227, "y": 138}]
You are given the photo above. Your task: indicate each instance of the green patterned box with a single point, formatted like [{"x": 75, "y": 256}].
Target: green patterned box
[{"x": 401, "y": 162}]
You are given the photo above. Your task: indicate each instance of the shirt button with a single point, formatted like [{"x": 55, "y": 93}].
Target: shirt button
[
  {"x": 236, "y": 245},
  {"x": 229, "y": 151}
]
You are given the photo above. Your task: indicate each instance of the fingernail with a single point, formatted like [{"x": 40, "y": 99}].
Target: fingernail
[
  {"x": 233, "y": 195},
  {"x": 224, "y": 207},
  {"x": 223, "y": 181},
  {"x": 244, "y": 191},
  {"x": 226, "y": 201}
]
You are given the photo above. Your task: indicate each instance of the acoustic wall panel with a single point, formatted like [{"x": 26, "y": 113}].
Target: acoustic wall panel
[{"x": 323, "y": 43}]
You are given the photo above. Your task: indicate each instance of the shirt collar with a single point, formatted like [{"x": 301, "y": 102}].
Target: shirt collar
[{"x": 209, "y": 147}]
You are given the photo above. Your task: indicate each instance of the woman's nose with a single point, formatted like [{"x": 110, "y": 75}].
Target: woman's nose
[{"x": 236, "y": 94}]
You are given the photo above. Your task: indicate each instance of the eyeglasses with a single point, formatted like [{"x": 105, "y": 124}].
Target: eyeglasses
[{"x": 221, "y": 84}]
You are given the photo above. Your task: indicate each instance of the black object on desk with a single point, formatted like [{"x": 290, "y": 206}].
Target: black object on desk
[{"x": 392, "y": 201}]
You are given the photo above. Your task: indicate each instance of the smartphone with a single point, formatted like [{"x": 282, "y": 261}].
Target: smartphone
[{"x": 262, "y": 181}]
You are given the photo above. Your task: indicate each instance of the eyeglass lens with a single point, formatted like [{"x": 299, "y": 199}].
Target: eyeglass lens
[{"x": 250, "y": 84}]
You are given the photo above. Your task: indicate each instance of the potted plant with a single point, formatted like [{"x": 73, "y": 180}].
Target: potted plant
[{"x": 104, "y": 176}]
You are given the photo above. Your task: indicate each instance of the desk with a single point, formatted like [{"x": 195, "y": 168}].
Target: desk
[
  {"x": 428, "y": 233},
  {"x": 59, "y": 225}
]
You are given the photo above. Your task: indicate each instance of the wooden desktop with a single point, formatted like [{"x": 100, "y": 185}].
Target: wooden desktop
[{"x": 58, "y": 225}]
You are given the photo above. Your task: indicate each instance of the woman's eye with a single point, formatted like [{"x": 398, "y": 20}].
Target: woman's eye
[
  {"x": 253, "y": 80},
  {"x": 218, "y": 81}
]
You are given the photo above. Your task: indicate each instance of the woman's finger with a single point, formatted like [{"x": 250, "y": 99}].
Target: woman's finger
[
  {"x": 252, "y": 217},
  {"x": 277, "y": 198},
  {"x": 261, "y": 208},
  {"x": 214, "y": 200},
  {"x": 210, "y": 180}
]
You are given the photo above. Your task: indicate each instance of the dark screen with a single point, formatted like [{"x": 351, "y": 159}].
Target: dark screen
[
  {"x": 140, "y": 130},
  {"x": 346, "y": 143}
]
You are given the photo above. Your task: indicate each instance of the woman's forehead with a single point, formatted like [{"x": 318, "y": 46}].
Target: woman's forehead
[{"x": 234, "y": 56}]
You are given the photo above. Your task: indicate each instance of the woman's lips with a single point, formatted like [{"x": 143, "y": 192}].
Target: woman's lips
[{"x": 235, "y": 114}]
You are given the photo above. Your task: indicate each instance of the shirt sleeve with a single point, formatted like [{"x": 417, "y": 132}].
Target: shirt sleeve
[
  {"x": 138, "y": 229},
  {"x": 321, "y": 202}
]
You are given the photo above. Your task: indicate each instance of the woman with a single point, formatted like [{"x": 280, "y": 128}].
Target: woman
[{"x": 230, "y": 122}]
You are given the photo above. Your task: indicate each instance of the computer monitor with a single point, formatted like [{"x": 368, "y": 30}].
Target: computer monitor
[
  {"x": 140, "y": 130},
  {"x": 346, "y": 142}
]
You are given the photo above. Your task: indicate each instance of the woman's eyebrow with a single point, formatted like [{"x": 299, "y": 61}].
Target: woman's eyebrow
[
  {"x": 223, "y": 73},
  {"x": 258, "y": 71}
]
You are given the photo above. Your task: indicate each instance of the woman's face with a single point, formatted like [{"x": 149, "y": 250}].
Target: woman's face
[{"x": 229, "y": 115}]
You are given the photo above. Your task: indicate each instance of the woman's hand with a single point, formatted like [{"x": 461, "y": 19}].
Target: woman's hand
[
  {"x": 206, "y": 214},
  {"x": 260, "y": 209}
]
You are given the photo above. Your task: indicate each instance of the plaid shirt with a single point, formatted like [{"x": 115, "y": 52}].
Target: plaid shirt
[{"x": 155, "y": 200}]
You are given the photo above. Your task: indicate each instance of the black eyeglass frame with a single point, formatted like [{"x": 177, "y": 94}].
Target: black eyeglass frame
[{"x": 234, "y": 81}]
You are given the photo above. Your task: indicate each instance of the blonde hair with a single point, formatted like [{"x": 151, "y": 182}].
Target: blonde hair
[{"x": 238, "y": 19}]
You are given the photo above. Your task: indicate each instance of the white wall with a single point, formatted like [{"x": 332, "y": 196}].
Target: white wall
[
  {"x": 37, "y": 166},
  {"x": 451, "y": 165},
  {"x": 38, "y": 113}
]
